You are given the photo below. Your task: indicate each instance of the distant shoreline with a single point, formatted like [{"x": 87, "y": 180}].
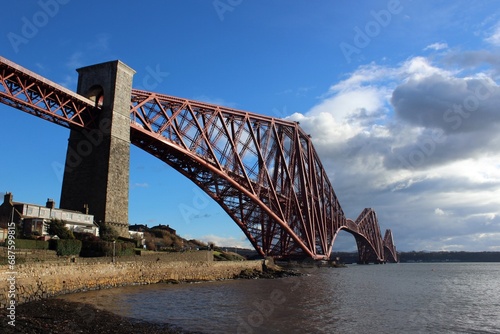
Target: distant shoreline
[{"x": 427, "y": 256}]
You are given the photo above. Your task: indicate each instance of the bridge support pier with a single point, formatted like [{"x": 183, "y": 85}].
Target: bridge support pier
[{"x": 96, "y": 174}]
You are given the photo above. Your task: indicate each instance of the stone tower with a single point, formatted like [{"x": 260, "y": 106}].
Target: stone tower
[{"x": 96, "y": 174}]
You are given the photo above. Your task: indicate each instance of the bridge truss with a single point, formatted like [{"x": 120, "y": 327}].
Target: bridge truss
[
  {"x": 264, "y": 172},
  {"x": 390, "y": 253}
]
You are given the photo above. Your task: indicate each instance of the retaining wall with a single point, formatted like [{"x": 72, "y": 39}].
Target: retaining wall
[{"x": 45, "y": 279}]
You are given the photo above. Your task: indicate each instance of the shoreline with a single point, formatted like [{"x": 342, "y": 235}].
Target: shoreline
[
  {"x": 54, "y": 315},
  {"x": 57, "y": 315},
  {"x": 40, "y": 280}
]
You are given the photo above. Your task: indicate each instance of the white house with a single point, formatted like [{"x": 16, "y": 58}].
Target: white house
[{"x": 35, "y": 218}]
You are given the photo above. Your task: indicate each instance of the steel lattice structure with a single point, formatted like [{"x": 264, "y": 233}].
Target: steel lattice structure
[
  {"x": 263, "y": 171},
  {"x": 366, "y": 231},
  {"x": 390, "y": 253},
  {"x": 27, "y": 91}
]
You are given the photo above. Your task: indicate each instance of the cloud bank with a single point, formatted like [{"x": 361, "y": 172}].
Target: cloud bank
[{"x": 418, "y": 143}]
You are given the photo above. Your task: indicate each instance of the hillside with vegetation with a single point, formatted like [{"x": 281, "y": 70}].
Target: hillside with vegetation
[{"x": 160, "y": 238}]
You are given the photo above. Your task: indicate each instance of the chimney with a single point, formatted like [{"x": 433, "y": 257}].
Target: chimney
[
  {"x": 7, "y": 198},
  {"x": 86, "y": 209},
  {"x": 50, "y": 203}
]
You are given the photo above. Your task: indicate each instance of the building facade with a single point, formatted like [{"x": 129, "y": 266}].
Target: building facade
[{"x": 33, "y": 219}]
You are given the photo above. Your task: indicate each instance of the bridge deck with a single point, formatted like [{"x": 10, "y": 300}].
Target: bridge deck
[{"x": 45, "y": 81}]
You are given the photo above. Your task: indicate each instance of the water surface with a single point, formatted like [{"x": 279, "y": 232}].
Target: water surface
[{"x": 391, "y": 298}]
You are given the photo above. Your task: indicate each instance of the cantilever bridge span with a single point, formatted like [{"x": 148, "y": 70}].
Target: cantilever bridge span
[{"x": 264, "y": 172}]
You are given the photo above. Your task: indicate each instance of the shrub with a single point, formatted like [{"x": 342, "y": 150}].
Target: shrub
[
  {"x": 31, "y": 244},
  {"x": 105, "y": 248},
  {"x": 58, "y": 227},
  {"x": 150, "y": 245},
  {"x": 91, "y": 248},
  {"x": 65, "y": 247},
  {"x": 33, "y": 236},
  {"x": 125, "y": 248},
  {"x": 150, "y": 241},
  {"x": 85, "y": 236},
  {"x": 107, "y": 232},
  {"x": 158, "y": 233}
]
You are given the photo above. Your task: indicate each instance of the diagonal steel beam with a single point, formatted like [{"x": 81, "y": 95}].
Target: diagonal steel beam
[{"x": 34, "y": 94}]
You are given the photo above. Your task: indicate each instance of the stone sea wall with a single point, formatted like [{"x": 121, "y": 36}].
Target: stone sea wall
[{"x": 50, "y": 278}]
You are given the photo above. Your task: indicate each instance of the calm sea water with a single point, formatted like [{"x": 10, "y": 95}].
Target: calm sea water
[{"x": 391, "y": 298}]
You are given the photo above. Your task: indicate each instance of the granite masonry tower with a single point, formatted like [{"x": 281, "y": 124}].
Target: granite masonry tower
[{"x": 96, "y": 174}]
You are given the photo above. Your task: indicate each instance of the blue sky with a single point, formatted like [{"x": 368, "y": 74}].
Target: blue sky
[{"x": 399, "y": 96}]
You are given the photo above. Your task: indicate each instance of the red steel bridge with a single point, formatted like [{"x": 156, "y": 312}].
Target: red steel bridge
[{"x": 263, "y": 171}]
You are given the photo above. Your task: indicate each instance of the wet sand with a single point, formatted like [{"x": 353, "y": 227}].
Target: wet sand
[{"x": 55, "y": 315}]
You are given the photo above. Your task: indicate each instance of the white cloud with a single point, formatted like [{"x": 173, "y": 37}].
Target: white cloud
[
  {"x": 494, "y": 37},
  {"x": 436, "y": 46},
  {"x": 418, "y": 68},
  {"x": 366, "y": 125},
  {"x": 226, "y": 241},
  {"x": 350, "y": 101},
  {"x": 440, "y": 212},
  {"x": 347, "y": 106},
  {"x": 364, "y": 75},
  {"x": 321, "y": 126}
]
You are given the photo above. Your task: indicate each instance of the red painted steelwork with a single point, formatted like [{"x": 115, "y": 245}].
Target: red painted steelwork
[
  {"x": 370, "y": 246},
  {"x": 366, "y": 232},
  {"x": 390, "y": 253},
  {"x": 264, "y": 172},
  {"x": 27, "y": 91}
]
